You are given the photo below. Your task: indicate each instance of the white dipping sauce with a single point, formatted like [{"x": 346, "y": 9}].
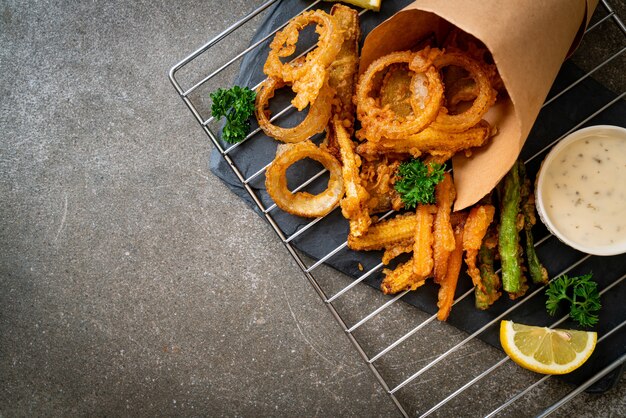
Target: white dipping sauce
[{"x": 584, "y": 190}]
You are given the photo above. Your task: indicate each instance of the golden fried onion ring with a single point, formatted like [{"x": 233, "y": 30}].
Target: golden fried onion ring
[
  {"x": 309, "y": 76},
  {"x": 484, "y": 100},
  {"x": 426, "y": 97},
  {"x": 303, "y": 203},
  {"x": 315, "y": 121}
]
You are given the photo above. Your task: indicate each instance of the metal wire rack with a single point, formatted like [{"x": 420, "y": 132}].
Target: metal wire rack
[{"x": 392, "y": 380}]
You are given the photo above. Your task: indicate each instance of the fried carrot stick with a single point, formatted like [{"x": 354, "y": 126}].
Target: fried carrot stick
[
  {"x": 442, "y": 229},
  {"x": 448, "y": 283}
]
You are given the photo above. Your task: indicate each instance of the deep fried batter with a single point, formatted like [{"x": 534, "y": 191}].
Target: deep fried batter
[
  {"x": 423, "y": 245},
  {"x": 343, "y": 75},
  {"x": 442, "y": 228},
  {"x": 354, "y": 205},
  {"x": 430, "y": 141},
  {"x": 378, "y": 178},
  {"x": 478, "y": 221},
  {"x": 401, "y": 278},
  {"x": 445, "y": 297},
  {"x": 385, "y": 234}
]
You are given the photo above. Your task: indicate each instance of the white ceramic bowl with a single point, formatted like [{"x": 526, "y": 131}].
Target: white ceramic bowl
[{"x": 552, "y": 217}]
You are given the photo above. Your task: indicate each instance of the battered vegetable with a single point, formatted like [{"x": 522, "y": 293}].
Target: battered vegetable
[
  {"x": 486, "y": 296},
  {"x": 537, "y": 271},
  {"x": 508, "y": 238}
]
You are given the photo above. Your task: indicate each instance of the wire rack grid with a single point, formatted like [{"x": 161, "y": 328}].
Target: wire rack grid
[{"x": 374, "y": 355}]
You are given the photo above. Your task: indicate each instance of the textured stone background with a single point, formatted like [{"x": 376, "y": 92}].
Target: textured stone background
[{"x": 132, "y": 281}]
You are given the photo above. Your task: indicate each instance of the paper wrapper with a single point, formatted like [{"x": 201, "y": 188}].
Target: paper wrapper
[{"x": 528, "y": 40}]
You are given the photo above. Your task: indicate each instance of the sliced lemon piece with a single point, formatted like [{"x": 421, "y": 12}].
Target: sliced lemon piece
[
  {"x": 545, "y": 350},
  {"x": 366, "y": 4}
]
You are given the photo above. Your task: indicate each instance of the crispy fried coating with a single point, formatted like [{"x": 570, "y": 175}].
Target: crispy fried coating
[
  {"x": 400, "y": 279},
  {"x": 413, "y": 273},
  {"x": 447, "y": 286},
  {"x": 395, "y": 250},
  {"x": 354, "y": 205},
  {"x": 343, "y": 72},
  {"x": 423, "y": 245},
  {"x": 385, "y": 234},
  {"x": 445, "y": 194},
  {"x": 478, "y": 221},
  {"x": 378, "y": 178},
  {"x": 431, "y": 141},
  {"x": 489, "y": 278}
]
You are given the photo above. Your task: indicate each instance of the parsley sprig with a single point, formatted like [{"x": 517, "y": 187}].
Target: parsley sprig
[
  {"x": 416, "y": 182},
  {"x": 582, "y": 294},
  {"x": 237, "y": 105}
]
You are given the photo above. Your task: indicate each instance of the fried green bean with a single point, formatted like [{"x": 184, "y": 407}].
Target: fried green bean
[
  {"x": 508, "y": 237},
  {"x": 489, "y": 278}
]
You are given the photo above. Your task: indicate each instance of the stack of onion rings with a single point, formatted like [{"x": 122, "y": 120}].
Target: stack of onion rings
[
  {"x": 379, "y": 121},
  {"x": 308, "y": 76},
  {"x": 427, "y": 97}
]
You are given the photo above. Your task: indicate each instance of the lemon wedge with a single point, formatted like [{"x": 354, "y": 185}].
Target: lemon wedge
[
  {"x": 366, "y": 4},
  {"x": 545, "y": 350}
]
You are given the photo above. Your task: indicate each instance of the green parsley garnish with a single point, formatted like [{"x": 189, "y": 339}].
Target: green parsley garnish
[
  {"x": 237, "y": 105},
  {"x": 581, "y": 292},
  {"x": 416, "y": 182}
]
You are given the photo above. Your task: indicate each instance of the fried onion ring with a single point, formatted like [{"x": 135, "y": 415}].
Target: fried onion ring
[
  {"x": 426, "y": 97},
  {"x": 315, "y": 121},
  {"x": 303, "y": 203},
  {"x": 484, "y": 100},
  {"x": 309, "y": 76}
]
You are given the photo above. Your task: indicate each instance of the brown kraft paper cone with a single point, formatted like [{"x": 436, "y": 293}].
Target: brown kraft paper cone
[{"x": 529, "y": 40}]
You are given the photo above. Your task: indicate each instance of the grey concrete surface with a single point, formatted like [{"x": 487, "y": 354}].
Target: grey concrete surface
[{"x": 132, "y": 282}]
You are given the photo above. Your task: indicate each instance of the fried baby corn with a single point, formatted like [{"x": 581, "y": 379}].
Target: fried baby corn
[
  {"x": 400, "y": 279},
  {"x": 414, "y": 272},
  {"x": 399, "y": 230},
  {"x": 431, "y": 141}
]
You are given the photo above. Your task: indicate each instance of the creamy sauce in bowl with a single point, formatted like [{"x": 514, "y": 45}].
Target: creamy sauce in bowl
[{"x": 581, "y": 190}]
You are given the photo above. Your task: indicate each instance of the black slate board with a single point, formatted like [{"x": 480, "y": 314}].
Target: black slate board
[{"x": 555, "y": 119}]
